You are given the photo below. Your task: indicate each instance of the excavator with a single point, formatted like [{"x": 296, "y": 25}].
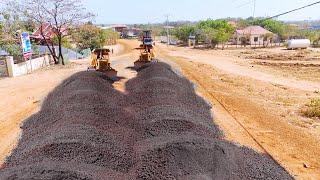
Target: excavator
[
  {"x": 100, "y": 61},
  {"x": 147, "y": 54}
]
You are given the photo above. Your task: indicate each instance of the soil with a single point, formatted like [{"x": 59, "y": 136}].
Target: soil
[
  {"x": 255, "y": 106},
  {"x": 86, "y": 129},
  {"x": 253, "y": 110}
]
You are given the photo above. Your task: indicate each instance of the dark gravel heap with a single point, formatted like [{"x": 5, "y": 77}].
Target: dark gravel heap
[{"x": 159, "y": 129}]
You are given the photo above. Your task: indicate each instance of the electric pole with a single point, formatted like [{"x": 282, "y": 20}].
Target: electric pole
[
  {"x": 168, "y": 31},
  {"x": 254, "y": 8}
]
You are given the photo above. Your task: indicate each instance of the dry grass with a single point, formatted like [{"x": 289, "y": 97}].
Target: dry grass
[{"x": 313, "y": 109}]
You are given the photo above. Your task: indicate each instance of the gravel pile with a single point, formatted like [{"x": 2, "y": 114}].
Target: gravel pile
[{"x": 159, "y": 129}]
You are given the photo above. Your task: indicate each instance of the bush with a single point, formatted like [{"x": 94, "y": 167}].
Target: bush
[
  {"x": 313, "y": 109},
  {"x": 89, "y": 36},
  {"x": 215, "y": 31},
  {"x": 183, "y": 32}
]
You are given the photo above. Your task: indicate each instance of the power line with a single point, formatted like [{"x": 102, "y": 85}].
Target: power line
[
  {"x": 244, "y": 4},
  {"x": 297, "y": 9}
]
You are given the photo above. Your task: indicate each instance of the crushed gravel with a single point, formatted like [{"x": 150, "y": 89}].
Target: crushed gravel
[{"x": 159, "y": 129}]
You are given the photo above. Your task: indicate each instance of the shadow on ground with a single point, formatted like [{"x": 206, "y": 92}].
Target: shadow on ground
[{"x": 158, "y": 129}]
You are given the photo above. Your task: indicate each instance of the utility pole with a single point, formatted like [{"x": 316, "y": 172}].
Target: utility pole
[
  {"x": 254, "y": 8},
  {"x": 168, "y": 31}
]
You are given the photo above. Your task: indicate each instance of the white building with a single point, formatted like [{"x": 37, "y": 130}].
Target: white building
[{"x": 254, "y": 35}]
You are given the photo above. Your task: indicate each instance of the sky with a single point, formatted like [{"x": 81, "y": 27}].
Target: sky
[{"x": 154, "y": 11}]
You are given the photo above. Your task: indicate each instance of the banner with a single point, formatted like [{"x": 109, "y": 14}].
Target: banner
[{"x": 26, "y": 45}]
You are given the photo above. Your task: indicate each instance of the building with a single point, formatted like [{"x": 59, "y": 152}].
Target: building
[
  {"x": 131, "y": 33},
  {"x": 45, "y": 31},
  {"x": 254, "y": 35},
  {"x": 119, "y": 27}
]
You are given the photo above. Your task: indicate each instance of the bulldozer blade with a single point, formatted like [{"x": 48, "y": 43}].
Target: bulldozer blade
[
  {"x": 112, "y": 74},
  {"x": 139, "y": 64}
]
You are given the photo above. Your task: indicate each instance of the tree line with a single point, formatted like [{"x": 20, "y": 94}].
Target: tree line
[{"x": 216, "y": 32}]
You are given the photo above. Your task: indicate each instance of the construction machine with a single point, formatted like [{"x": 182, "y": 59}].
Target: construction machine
[
  {"x": 146, "y": 50},
  {"x": 100, "y": 61}
]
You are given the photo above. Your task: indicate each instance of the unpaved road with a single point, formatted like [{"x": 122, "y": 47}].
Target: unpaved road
[
  {"x": 254, "y": 112},
  {"x": 230, "y": 65},
  {"x": 256, "y": 109}
]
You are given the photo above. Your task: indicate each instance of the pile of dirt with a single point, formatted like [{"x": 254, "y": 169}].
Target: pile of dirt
[
  {"x": 297, "y": 65},
  {"x": 302, "y": 55},
  {"x": 158, "y": 129}
]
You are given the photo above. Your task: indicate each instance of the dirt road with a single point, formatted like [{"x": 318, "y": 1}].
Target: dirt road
[
  {"x": 232, "y": 65},
  {"x": 256, "y": 109},
  {"x": 253, "y": 109}
]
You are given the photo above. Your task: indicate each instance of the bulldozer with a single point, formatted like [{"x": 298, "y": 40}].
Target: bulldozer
[
  {"x": 100, "y": 61},
  {"x": 147, "y": 54}
]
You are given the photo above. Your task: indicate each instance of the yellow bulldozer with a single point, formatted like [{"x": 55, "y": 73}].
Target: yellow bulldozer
[
  {"x": 100, "y": 61},
  {"x": 147, "y": 54}
]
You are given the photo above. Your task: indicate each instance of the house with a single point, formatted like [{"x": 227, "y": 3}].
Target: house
[
  {"x": 48, "y": 31},
  {"x": 118, "y": 27},
  {"x": 131, "y": 33},
  {"x": 251, "y": 35}
]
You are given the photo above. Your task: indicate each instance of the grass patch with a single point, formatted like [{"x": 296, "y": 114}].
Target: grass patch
[{"x": 313, "y": 109}]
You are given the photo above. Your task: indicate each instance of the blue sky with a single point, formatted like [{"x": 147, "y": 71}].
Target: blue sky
[{"x": 144, "y": 11}]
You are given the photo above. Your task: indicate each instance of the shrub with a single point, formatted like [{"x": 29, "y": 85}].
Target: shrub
[{"x": 312, "y": 109}]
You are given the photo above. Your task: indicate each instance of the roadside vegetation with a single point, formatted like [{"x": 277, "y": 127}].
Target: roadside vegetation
[
  {"x": 312, "y": 109},
  {"x": 214, "y": 32},
  {"x": 88, "y": 36}
]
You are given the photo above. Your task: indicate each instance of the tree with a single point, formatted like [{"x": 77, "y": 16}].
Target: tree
[
  {"x": 183, "y": 32},
  {"x": 267, "y": 38},
  {"x": 89, "y": 36},
  {"x": 111, "y": 36},
  {"x": 10, "y": 28},
  {"x": 62, "y": 15},
  {"x": 277, "y": 27},
  {"x": 216, "y": 31}
]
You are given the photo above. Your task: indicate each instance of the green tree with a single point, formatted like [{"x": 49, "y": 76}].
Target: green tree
[
  {"x": 312, "y": 35},
  {"x": 110, "y": 36},
  {"x": 183, "y": 32},
  {"x": 216, "y": 31},
  {"x": 10, "y": 27},
  {"x": 276, "y": 27},
  {"x": 89, "y": 36}
]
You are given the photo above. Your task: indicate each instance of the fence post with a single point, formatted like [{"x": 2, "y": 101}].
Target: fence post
[{"x": 10, "y": 65}]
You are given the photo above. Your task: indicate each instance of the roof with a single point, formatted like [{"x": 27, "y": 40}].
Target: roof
[
  {"x": 256, "y": 30},
  {"x": 45, "y": 28},
  {"x": 48, "y": 31},
  {"x": 119, "y": 26}
]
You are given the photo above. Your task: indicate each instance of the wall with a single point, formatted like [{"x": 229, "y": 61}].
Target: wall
[
  {"x": 3, "y": 67},
  {"x": 26, "y": 67}
]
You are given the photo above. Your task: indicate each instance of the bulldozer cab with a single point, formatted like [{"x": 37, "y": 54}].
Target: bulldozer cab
[
  {"x": 101, "y": 53},
  {"x": 100, "y": 61},
  {"x": 146, "y": 49}
]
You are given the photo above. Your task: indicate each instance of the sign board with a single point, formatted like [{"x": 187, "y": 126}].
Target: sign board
[
  {"x": 3, "y": 67},
  {"x": 26, "y": 45}
]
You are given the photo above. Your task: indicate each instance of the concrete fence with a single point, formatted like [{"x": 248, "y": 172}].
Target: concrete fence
[{"x": 14, "y": 70}]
